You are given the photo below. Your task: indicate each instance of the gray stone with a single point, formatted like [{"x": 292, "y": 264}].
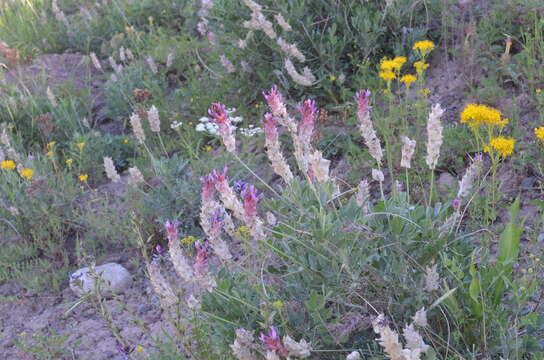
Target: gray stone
[
  {"x": 113, "y": 279},
  {"x": 446, "y": 184}
]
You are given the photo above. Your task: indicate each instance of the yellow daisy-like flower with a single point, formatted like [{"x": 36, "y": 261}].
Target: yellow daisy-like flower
[
  {"x": 80, "y": 145},
  {"x": 388, "y": 64},
  {"x": 139, "y": 348},
  {"x": 83, "y": 177},
  {"x": 539, "y": 133},
  {"x": 332, "y": 78},
  {"x": 399, "y": 61},
  {"x": 51, "y": 144},
  {"x": 27, "y": 173},
  {"x": 476, "y": 115},
  {"x": 503, "y": 146},
  {"x": 426, "y": 91},
  {"x": 408, "y": 79},
  {"x": 387, "y": 75},
  {"x": 386, "y": 92},
  {"x": 49, "y": 153},
  {"x": 69, "y": 161},
  {"x": 209, "y": 148},
  {"x": 7, "y": 165},
  {"x": 423, "y": 47},
  {"x": 125, "y": 141},
  {"x": 538, "y": 90},
  {"x": 420, "y": 66}
]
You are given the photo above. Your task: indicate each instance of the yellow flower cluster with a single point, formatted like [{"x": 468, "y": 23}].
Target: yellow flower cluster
[
  {"x": 83, "y": 177},
  {"x": 420, "y": 66},
  {"x": 7, "y": 165},
  {"x": 393, "y": 64},
  {"x": 188, "y": 241},
  {"x": 27, "y": 173},
  {"x": 539, "y": 133},
  {"x": 503, "y": 146},
  {"x": 475, "y": 115},
  {"x": 387, "y": 75},
  {"x": 423, "y": 47},
  {"x": 408, "y": 79}
]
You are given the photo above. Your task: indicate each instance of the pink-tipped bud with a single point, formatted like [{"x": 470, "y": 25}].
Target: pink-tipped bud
[
  {"x": 221, "y": 180},
  {"x": 251, "y": 199},
  {"x": 171, "y": 228},
  {"x": 208, "y": 183},
  {"x": 216, "y": 221},
  {"x": 362, "y": 98},
  {"x": 219, "y": 113},
  {"x": 201, "y": 258},
  {"x": 308, "y": 110},
  {"x": 275, "y": 102},
  {"x": 270, "y": 130},
  {"x": 273, "y": 342},
  {"x": 456, "y": 204}
]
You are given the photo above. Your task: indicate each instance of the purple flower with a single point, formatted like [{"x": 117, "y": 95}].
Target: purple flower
[
  {"x": 239, "y": 186},
  {"x": 273, "y": 342},
  {"x": 251, "y": 198},
  {"x": 171, "y": 230}
]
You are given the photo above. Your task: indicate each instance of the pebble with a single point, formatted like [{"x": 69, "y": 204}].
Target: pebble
[{"x": 115, "y": 279}]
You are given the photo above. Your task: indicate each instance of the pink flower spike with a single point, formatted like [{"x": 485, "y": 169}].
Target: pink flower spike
[
  {"x": 361, "y": 98},
  {"x": 270, "y": 130},
  {"x": 171, "y": 230},
  {"x": 208, "y": 183},
  {"x": 275, "y": 101},
  {"x": 251, "y": 198},
  {"x": 273, "y": 342},
  {"x": 201, "y": 258},
  {"x": 216, "y": 221},
  {"x": 219, "y": 113},
  {"x": 221, "y": 180}
]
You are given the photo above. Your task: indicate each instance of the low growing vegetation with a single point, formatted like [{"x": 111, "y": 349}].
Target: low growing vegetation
[{"x": 284, "y": 179}]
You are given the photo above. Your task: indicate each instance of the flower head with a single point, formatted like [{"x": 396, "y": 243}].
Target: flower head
[
  {"x": 273, "y": 342},
  {"x": 50, "y": 144},
  {"x": 539, "y": 133},
  {"x": 423, "y": 47},
  {"x": 475, "y": 115},
  {"x": 420, "y": 66},
  {"x": 80, "y": 145},
  {"x": 275, "y": 102},
  {"x": 208, "y": 183},
  {"x": 27, "y": 173},
  {"x": 171, "y": 228},
  {"x": 503, "y": 146},
  {"x": 387, "y": 75},
  {"x": 251, "y": 198},
  {"x": 83, "y": 177},
  {"x": 408, "y": 79},
  {"x": 69, "y": 161},
  {"x": 201, "y": 258},
  {"x": 7, "y": 165},
  {"x": 219, "y": 113}
]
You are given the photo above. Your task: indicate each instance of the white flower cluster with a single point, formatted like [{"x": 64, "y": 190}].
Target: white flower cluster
[
  {"x": 251, "y": 130},
  {"x": 207, "y": 125},
  {"x": 176, "y": 124}
]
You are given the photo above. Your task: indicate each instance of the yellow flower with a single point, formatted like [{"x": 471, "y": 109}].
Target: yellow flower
[
  {"x": 425, "y": 91},
  {"x": 242, "y": 232},
  {"x": 538, "y": 90},
  {"x": 257, "y": 106},
  {"x": 125, "y": 141},
  {"x": 49, "y": 153},
  {"x": 423, "y": 47},
  {"x": 188, "y": 241},
  {"x": 476, "y": 115},
  {"x": 387, "y": 75},
  {"x": 332, "y": 78},
  {"x": 83, "y": 177},
  {"x": 408, "y": 79},
  {"x": 209, "y": 148},
  {"x": 27, "y": 173},
  {"x": 80, "y": 145},
  {"x": 504, "y": 146},
  {"x": 388, "y": 65},
  {"x": 7, "y": 165},
  {"x": 539, "y": 133},
  {"x": 386, "y": 92},
  {"x": 399, "y": 61},
  {"x": 139, "y": 348},
  {"x": 69, "y": 161},
  {"x": 420, "y": 66},
  {"x": 277, "y": 304},
  {"x": 51, "y": 144},
  {"x": 190, "y": 123}
]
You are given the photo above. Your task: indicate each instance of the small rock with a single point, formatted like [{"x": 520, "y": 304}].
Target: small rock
[
  {"x": 446, "y": 183},
  {"x": 115, "y": 279},
  {"x": 541, "y": 237}
]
